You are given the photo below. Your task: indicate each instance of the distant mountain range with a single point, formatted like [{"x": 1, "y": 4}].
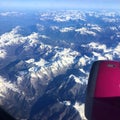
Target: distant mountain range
[{"x": 45, "y": 60}]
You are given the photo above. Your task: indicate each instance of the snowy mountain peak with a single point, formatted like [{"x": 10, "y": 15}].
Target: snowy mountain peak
[{"x": 77, "y": 80}]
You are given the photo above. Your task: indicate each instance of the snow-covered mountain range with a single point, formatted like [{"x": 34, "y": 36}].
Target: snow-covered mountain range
[{"x": 45, "y": 60}]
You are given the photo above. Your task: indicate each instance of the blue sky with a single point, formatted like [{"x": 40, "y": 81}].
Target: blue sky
[{"x": 60, "y": 4}]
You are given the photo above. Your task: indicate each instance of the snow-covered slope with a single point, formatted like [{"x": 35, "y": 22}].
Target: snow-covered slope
[
  {"x": 45, "y": 60},
  {"x": 27, "y": 68}
]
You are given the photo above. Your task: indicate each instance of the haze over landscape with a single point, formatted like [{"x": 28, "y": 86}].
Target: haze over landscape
[
  {"x": 47, "y": 48},
  {"x": 71, "y": 4}
]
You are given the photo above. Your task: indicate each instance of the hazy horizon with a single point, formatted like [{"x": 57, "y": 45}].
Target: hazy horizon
[{"x": 61, "y": 4}]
